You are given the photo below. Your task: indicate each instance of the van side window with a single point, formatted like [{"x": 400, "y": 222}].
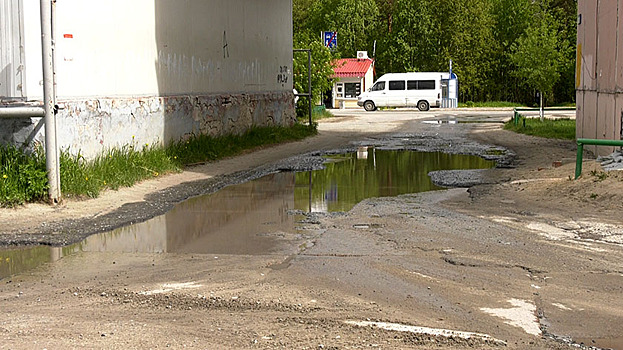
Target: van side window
[
  {"x": 378, "y": 86},
  {"x": 426, "y": 85},
  {"x": 421, "y": 85},
  {"x": 396, "y": 84}
]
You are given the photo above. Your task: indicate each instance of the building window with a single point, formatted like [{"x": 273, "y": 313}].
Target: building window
[
  {"x": 340, "y": 90},
  {"x": 352, "y": 90}
]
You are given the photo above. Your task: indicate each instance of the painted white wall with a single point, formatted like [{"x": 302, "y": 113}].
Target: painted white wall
[
  {"x": 368, "y": 79},
  {"x": 33, "y": 71},
  {"x": 124, "y": 48}
]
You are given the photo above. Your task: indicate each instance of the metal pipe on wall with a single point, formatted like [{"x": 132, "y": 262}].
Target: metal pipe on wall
[
  {"x": 21, "y": 111},
  {"x": 51, "y": 148}
]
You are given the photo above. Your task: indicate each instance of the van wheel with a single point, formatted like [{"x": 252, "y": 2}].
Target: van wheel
[
  {"x": 369, "y": 106},
  {"x": 423, "y": 106}
]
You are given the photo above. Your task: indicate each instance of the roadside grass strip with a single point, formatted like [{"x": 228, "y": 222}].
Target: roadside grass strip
[
  {"x": 23, "y": 176},
  {"x": 435, "y": 332},
  {"x": 563, "y": 129}
]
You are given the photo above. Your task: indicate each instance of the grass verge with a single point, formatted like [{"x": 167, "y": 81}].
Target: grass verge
[
  {"x": 23, "y": 175},
  {"x": 548, "y": 128},
  {"x": 318, "y": 112},
  {"x": 490, "y": 104}
]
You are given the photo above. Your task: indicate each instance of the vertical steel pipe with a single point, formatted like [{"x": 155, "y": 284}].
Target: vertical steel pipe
[
  {"x": 51, "y": 148},
  {"x": 309, "y": 85}
]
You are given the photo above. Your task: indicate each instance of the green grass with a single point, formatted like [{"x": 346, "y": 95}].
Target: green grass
[
  {"x": 548, "y": 128},
  {"x": 565, "y": 104},
  {"x": 113, "y": 169},
  {"x": 204, "y": 148},
  {"x": 23, "y": 175},
  {"x": 490, "y": 104},
  {"x": 318, "y": 112}
]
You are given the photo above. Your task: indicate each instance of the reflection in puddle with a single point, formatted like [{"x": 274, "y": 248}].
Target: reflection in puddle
[
  {"x": 245, "y": 219},
  {"x": 252, "y": 218},
  {"x": 23, "y": 259},
  {"x": 349, "y": 179},
  {"x": 614, "y": 344}
]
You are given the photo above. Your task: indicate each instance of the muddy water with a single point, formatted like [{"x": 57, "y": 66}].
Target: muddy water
[
  {"x": 349, "y": 179},
  {"x": 615, "y": 344},
  {"x": 254, "y": 217}
]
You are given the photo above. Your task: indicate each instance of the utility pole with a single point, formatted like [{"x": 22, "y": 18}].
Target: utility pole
[{"x": 49, "y": 104}]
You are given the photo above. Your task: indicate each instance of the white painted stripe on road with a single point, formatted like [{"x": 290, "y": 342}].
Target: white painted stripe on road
[
  {"x": 427, "y": 331},
  {"x": 522, "y": 314}
]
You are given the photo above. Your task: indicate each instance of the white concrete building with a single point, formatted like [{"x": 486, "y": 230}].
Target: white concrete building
[{"x": 148, "y": 71}]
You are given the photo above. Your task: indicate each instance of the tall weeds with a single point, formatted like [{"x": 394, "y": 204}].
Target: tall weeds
[{"x": 23, "y": 176}]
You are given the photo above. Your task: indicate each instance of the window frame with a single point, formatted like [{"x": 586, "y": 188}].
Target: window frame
[
  {"x": 397, "y": 83},
  {"x": 379, "y": 83},
  {"x": 348, "y": 92}
]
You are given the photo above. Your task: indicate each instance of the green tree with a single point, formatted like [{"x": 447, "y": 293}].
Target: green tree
[
  {"x": 538, "y": 55},
  {"x": 465, "y": 36},
  {"x": 480, "y": 36},
  {"x": 565, "y": 14},
  {"x": 511, "y": 19},
  {"x": 354, "y": 20},
  {"x": 407, "y": 36},
  {"x": 321, "y": 68}
]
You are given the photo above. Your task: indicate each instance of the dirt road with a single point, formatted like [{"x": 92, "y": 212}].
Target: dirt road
[{"x": 525, "y": 258}]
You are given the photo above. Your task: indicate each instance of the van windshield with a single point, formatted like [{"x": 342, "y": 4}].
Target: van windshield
[{"x": 380, "y": 85}]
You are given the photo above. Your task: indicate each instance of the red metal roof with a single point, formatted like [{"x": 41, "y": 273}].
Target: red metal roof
[{"x": 351, "y": 67}]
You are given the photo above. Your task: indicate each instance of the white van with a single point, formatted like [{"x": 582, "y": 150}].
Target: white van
[{"x": 422, "y": 90}]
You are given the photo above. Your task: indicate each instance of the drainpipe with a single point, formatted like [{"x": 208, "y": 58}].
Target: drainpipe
[
  {"x": 54, "y": 36},
  {"x": 51, "y": 148}
]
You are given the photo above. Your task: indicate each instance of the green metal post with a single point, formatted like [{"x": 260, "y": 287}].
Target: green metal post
[
  {"x": 578, "y": 160},
  {"x": 596, "y": 142}
]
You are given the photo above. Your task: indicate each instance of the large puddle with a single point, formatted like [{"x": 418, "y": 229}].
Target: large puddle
[
  {"x": 255, "y": 217},
  {"x": 614, "y": 344}
]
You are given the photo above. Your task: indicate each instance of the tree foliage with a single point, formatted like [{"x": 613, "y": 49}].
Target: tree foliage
[
  {"x": 483, "y": 38},
  {"x": 321, "y": 68},
  {"x": 537, "y": 54}
]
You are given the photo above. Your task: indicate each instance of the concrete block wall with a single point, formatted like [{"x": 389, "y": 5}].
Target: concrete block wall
[
  {"x": 158, "y": 70},
  {"x": 91, "y": 126}
]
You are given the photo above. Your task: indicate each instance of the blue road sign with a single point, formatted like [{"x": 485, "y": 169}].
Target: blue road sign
[{"x": 330, "y": 39}]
